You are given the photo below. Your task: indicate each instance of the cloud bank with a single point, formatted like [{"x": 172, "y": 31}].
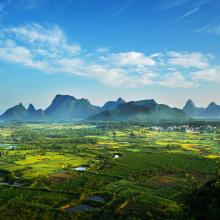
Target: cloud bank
[{"x": 47, "y": 49}]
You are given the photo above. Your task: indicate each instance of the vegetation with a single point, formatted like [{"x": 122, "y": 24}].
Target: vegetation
[{"x": 116, "y": 170}]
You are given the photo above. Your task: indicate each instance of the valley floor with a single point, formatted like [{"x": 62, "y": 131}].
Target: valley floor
[{"x": 104, "y": 171}]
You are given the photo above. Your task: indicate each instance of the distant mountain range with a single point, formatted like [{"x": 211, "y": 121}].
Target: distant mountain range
[
  {"x": 62, "y": 108},
  {"x": 69, "y": 108},
  {"x": 144, "y": 110},
  {"x": 211, "y": 111},
  {"x": 20, "y": 113},
  {"x": 111, "y": 105}
]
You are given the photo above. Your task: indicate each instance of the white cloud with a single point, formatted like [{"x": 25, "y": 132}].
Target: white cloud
[
  {"x": 51, "y": 37},
  {"x": 156, "y": 55},
  {"x": 123, "y": 7},
  {"x": 215, "y": 29},
  {"x": 209, "y": 74},
  {"x": 73, "y": 66},
  {"x": 189, "y": 13},
  {"x": 196, "y": 8},
  {"x": 130, "y": 58},
  {"x": 102, "y": 50},
  {"x": 15, "y": 54},
  {"x": 175, "y": 80},
  {"x": 188, "y": 60},
  {"x": 47, "y": 49},
  {"x": 110, "y": 76},
  {"x": 21, "y": 55},
  {"x": 210, "y": 28}
]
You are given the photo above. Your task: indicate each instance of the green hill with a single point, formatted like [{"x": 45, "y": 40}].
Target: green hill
[{"x": 144, "y": 110}]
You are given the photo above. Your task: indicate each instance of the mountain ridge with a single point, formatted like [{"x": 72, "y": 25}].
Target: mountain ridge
[
  {"x": 110, "y": 105},
  {"x": 65, "y": 107},
  {"x": 20, "y": 113},
  {"x": 143, "y": 110},
  {"x": 69, "y": 108},
  {"x": 211, "y": 111}
]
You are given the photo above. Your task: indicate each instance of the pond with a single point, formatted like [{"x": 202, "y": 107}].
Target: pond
[
  {"x": 80, "y": 208},
  {"x": 97, "y": 199},
  {"x": 8, "y": 146},
  {"x": 81, "y": 168},
  {"x": 116, "y": 156},
  {"x": 84, "y": 207}
]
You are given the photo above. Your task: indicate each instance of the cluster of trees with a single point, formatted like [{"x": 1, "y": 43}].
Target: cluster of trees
[{"x": 203, "y": 203}]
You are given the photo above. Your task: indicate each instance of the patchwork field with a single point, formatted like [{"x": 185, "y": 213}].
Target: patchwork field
[{"x": 77, "y": 171}]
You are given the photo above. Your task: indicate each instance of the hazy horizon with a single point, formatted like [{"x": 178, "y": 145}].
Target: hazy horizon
[{"x": 101, "y": 103}]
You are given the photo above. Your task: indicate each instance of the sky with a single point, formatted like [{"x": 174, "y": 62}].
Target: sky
[{"x": 167, "y": 50}]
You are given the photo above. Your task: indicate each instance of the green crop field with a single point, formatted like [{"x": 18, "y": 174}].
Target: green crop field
[{"x": 77, "y": 171}]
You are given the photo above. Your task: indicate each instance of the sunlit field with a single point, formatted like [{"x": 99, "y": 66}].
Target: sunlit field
[{"x": 69, "y": 170}]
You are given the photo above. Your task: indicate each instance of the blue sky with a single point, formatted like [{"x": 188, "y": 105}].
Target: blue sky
[{"x": 168, "y": 50}]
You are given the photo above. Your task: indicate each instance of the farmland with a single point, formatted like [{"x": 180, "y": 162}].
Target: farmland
[{"x": 104, "y": 171}]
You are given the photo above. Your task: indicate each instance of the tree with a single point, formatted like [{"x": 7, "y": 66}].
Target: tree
[
  {"x": 114, "y": 134},
  {"x": 132, "y": 135}
]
